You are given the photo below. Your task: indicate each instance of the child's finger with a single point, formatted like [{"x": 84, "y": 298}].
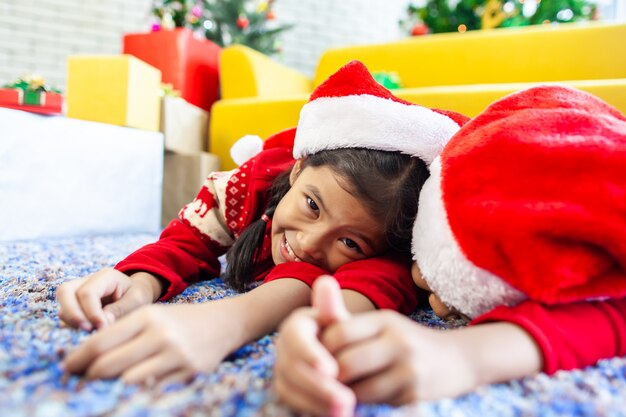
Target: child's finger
[
  {"x": 70, "y": 311},
  {"x": 122, "y": 357},
  {"x": 90, "y": 296},
  {"x": 308, "y": 391},
  {"x": 78, "y": 360},
  {"x": 328, "y": 301},
  {"x": 366, "y": 358},
  {"x": 357, "y": 328},
  {"x": 298, "y": 340},
  {"x": 382, "y": 387},
  {"x": 129, "y": 301},
  {"x": 151, "y": 370}
]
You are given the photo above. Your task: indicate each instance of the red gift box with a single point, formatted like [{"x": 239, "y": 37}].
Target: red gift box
[
  {"x": 49, "y": 103},
  {"x": 188, "y": 63}
]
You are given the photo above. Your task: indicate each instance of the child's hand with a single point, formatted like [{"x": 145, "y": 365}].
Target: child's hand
[
  {"x": 305, "y": 374},
  {"x": 386, "y": 357},
  {"x": 158, "y": 343},
  {"x": 99, "y": 299}
]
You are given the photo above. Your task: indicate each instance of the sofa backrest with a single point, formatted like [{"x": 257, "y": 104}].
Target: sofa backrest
[
  {"x": 563, "y": 52},
  {"x": 245, "y": 72}
]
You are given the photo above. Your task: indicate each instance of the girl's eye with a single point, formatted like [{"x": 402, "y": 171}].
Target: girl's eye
[
  {"x": 312, "y": 204},
  {"x": 351, "y": 244}
]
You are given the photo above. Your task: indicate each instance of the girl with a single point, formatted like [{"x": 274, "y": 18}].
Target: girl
[
  {"x": 341, "y": 208},
  {"x": 528, "y": 245}
]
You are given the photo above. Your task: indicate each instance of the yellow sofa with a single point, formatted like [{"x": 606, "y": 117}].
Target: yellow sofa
[{"x": 461, "y": 72}]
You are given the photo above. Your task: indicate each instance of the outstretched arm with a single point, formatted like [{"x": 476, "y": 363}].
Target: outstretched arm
[
  {"x": 172, "y": 342},
  {"x": 327, "y": 359}
]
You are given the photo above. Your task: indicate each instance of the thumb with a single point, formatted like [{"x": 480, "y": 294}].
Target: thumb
[
  {"x": 328, "y": 301},
  {"x": 128, "y": 302}
]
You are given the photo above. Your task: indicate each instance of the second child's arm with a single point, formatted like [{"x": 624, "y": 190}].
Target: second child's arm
[{"x": 327, "y": 359}]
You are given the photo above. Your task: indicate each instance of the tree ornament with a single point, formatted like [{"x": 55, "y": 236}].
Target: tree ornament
[
  {"x": 419, "y": 29},
  {"x": 493, "y": 15},
  {"x": 243, "y": 22}
]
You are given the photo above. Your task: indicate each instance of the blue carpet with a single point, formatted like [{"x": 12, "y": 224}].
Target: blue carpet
[{"x": 32, "y": 343}]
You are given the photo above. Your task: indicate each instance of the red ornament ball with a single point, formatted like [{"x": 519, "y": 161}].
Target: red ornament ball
[
  {"x": 419, "y": 29},
  {"x": 243, "y": 22}
]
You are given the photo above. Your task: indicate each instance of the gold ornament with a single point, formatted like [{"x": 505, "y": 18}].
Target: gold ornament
[{"x": 493, "y": 15}]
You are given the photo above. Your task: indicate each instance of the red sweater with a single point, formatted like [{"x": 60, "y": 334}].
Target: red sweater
[{"x": 569, "y": 336}]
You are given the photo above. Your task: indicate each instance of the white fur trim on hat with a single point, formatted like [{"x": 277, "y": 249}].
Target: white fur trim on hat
[
  {"x": 449, "y": 274},
  {"x": 367, "y": 121}
]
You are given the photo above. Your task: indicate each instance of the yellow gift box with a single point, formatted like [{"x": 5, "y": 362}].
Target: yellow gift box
[{"x": 115, "y": 89}]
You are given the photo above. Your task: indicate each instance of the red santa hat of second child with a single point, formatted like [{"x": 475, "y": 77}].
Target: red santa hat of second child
[
  {"x": 527, "y": 200},
  {"x": 351, "y": 110}
]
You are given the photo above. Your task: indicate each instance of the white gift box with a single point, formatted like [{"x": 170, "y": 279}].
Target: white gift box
[
  {"x": 66, "y": 177},
  {"x": 184, "y": 125},
  {"x": 182, "y": 179}
]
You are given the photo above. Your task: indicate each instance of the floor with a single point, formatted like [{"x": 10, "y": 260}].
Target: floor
[{"x": 32, "y": 344}]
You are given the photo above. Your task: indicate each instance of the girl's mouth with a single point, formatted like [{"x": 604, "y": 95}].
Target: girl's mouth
[{"x": 286, "y": 251}]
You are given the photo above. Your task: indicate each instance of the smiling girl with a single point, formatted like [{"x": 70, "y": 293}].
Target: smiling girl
[{"x": 338, "y": 198}]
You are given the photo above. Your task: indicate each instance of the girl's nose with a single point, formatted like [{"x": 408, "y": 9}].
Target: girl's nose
[{"x": 311, "y": 244}]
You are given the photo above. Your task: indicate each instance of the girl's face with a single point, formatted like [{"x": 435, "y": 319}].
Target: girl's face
[{"x": 321, "y": 223}]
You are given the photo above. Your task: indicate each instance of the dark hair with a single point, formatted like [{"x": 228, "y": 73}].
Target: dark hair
[{"x": 388, "y": 183}]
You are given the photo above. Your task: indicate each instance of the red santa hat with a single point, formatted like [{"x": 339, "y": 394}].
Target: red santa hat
[
  {"x": 351, "y": 110},
  {"x": 527, "y": 200}
]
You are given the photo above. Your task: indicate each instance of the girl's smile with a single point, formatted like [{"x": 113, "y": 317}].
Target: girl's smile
[
  {"x": 319, "y": 221},
  {"x": 287, "y": 252}
]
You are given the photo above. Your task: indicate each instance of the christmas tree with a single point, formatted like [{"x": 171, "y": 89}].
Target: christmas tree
[
  {"x": 225, "y": 22},
  {"x": 462, "y": 15},
  {"x": 176, "y": 14}
]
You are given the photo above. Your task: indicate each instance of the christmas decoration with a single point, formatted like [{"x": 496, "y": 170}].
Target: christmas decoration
[
  {"x": 389, "y": 80},
  {"x": 225, "y": 22},
  {"x": 460, "y": 16},
  {"x": 116, "y": 89},
  {"x": 177, "y": 13},
  {"x": 187, "y": 61},
  {"x": 31, "y": 93}
]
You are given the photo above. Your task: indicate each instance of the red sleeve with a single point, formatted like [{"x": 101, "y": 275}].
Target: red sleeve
[
  {"x": 180, "y": 257},
  {"x": 226, "y": 204},
  {"x": 571, "y": 335},
  {"x": 386, "y": 280}
]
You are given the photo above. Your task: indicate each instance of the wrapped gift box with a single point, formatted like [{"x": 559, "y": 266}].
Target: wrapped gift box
[
  {"x": 32, "y": 101},
  {"x": 186, "y": 61},
  {"x": 184, "y": 126},
  {"x": 182, "y": 179},
  {"x": 64, "y": 177},
  {"x": 115, "y": 89}
]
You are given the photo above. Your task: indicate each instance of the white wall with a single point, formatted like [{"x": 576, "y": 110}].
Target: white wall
[
  {"x": 36, "y": 36},
  {"x": 325, "y": 23}
]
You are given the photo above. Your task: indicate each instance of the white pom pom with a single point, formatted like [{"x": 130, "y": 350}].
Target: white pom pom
[{"x": 245, "y": 148}]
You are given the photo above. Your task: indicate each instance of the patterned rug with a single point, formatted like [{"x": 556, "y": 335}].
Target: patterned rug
[{"x": 32, "y": 344}]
